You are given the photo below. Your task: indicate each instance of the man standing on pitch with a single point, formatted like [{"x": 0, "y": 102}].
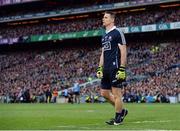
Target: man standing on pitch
[{"x": 111, "y": 68}]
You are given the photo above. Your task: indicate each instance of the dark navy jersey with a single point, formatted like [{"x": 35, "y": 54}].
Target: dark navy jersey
[{"x": 110, "y": 41}]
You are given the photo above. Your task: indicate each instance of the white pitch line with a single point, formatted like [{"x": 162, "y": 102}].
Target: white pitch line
[
  {"x": 105, "y": 129},
  {"x": 68, "y": 126},
  {"x": 90, "y": 111},
  {"x": 160, "y": 121}
]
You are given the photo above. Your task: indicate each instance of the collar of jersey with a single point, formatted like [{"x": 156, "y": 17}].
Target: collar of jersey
[{"x": 110, "y": 29}]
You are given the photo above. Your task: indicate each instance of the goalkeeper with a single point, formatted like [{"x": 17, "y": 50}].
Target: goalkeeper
[{"x": 112, "y": 67}]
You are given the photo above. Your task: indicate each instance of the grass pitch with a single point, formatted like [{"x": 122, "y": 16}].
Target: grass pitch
[{"x": 87, "y": 117}]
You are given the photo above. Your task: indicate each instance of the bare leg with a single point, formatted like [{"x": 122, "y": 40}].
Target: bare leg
[
  {"x": 117, "y": 99},
  {"x": 108, "y": 95},
  {"x": 78, "y": 99}
]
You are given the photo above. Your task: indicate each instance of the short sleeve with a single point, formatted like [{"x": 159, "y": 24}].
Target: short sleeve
[{"x": 120, "y": 37}]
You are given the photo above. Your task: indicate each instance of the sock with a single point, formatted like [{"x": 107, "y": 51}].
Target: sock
[
  {"x": 118, "y": 116},
  {"x": 122, "y": 112}
]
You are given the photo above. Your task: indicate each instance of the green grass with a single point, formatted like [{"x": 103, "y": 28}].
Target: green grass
[{"x": 87, "y": 117}]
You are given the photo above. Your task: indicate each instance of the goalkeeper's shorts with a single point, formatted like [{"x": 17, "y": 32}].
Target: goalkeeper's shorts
[{"x": 109, "y": 79}]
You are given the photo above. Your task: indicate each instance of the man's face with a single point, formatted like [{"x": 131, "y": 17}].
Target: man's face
[{"x": 107, "y": 19}]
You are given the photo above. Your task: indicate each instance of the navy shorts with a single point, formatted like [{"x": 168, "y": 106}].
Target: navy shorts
[
  {"x": 109, "y": 79},
  {"x": 76, "y": 93}
]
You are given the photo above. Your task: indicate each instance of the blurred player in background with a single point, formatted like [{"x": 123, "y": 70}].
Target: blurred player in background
[
  {"x": 111, "y": 68},
  {"x": 76, "y": 92}
]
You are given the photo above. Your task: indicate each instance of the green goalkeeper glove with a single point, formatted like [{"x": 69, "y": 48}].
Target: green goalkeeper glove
[
  {"x": 99, "y": 72},
  {"x": 121, "y": 73}
]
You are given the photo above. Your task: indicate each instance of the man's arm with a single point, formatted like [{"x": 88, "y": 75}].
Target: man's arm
[
  {"x": 123, "y": 51},
  {"x": 121, "y": 73},
  {"x": 99, "y": 72},
  {"x": 101, "y": 61}
]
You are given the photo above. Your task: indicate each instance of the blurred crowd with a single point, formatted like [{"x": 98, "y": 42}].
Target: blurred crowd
[
  {"x": 84, "y": 24},
  {"x": 158, "y": 88},
  {"x": 40, "y": 76},
  {"x": 40, "y": 71},
  {"x": 41, "y": 7},
  {"x": 153, "y": 72}
]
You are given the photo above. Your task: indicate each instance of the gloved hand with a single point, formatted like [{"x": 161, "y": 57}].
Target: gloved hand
[
  {"x": 121, "y": 73},
  {"x": 99, "y": 72}
]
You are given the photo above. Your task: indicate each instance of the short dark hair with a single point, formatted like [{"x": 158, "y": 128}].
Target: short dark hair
[{"x": 112, "y": 14}]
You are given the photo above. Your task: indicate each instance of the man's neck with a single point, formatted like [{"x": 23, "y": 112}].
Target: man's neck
[{"x": 109, "y": 27}]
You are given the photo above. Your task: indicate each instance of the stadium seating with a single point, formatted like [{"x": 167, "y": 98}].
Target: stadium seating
[
  {"x": 153, "y": 67},
  {"x": 151, "y": 70},
  {"x": 123, "y": 20}
]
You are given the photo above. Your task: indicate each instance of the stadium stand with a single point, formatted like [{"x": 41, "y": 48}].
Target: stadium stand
[
  {"x": 31, "y": 75},
  {"x": 124, "y": 20},
  {"x": 48, "y": 5},
  {"x": 60, "y": 68}
]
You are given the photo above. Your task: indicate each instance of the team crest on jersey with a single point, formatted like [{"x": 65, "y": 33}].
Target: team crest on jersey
[
  {"x": 107, "y": 45},
  {"x": 110, "y": 38}
]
